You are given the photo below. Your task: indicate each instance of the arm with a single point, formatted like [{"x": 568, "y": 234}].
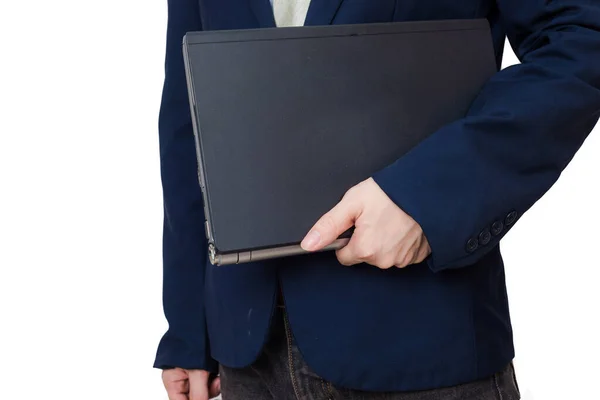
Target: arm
[
  {"x": 185, "y": 345},
  {"x": 520, "y": 133}
]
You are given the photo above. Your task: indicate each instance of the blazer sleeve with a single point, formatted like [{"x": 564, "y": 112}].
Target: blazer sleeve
[
  {"x": 469, "y": 182},
  {"x": 185, "y": 344}
]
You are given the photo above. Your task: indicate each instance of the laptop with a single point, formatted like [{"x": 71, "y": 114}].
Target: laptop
[{"x": 286, "y": 120}]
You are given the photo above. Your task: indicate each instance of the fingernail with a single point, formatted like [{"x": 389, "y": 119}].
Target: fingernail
[{"x": 311, "y": 240}]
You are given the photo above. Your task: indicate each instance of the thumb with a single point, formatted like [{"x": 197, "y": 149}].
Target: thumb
[
  {"x": 215, "y": 387},
  {"x": 331, "y": 225}
]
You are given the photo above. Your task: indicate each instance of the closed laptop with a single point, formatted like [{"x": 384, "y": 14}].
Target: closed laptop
[{"x": 286, "y": 120}]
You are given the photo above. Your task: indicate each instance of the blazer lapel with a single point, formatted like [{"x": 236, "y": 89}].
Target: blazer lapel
[
  {"x": 264, "y": 13},
  {"x": 321, "y": 12}
]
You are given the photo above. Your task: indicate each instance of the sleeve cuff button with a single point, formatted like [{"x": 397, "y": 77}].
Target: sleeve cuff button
[
  {"x": 472, "y": 245},
  {"x": 510, "y": 218},
  {"x": 497, "y": 228},
  {"x": 485, "y": 237}
]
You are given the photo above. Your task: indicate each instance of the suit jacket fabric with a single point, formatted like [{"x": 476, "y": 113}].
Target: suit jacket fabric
[{"x": 440, "y": 323}]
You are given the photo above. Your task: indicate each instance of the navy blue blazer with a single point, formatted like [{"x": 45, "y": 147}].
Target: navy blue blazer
[{"x": 439, "y": 323}]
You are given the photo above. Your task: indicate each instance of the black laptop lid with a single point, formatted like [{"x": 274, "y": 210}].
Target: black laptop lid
[{"x": 288, "y": 119}]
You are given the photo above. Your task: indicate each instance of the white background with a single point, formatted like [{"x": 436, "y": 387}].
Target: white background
[{"x": 81, "y": 218}]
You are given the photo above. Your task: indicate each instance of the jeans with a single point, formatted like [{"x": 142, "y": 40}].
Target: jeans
[{"x": 281, "y": 374}]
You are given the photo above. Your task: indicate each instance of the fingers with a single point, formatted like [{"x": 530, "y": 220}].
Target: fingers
[
  {"x": 418, "y": 250},
  {"x": 366, "y": 246},
  {"x": 331, "y": 225},
  {"x": 360, "y": 251},
  {"x": 176, "y": 383},
  {"x": 198, "y": 385},
  {"x": 347, "y": 255},
  {"x": 184, "y": 384},
  {"x": 215, "y": 388}
]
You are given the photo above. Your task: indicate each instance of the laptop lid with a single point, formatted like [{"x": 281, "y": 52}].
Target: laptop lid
[{"x": 288, "y": 119}]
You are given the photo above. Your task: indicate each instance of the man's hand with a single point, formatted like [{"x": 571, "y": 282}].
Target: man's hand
[
  {"x": 384, "y": 235},
  {"x": 182, "y": 384}
]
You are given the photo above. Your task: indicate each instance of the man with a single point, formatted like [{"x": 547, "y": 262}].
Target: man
[{"x": 415, "y": 307}]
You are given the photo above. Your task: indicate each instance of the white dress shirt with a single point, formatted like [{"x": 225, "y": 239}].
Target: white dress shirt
[{"x": 290, "y": 12}]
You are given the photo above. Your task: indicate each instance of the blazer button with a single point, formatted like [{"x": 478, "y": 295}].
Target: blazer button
[
  {"x": 497, "y": 228},
  {"x": 510, "y": 218},
  {"x": 472, "y": 245},
  {"x": 484, "y": 237}
]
